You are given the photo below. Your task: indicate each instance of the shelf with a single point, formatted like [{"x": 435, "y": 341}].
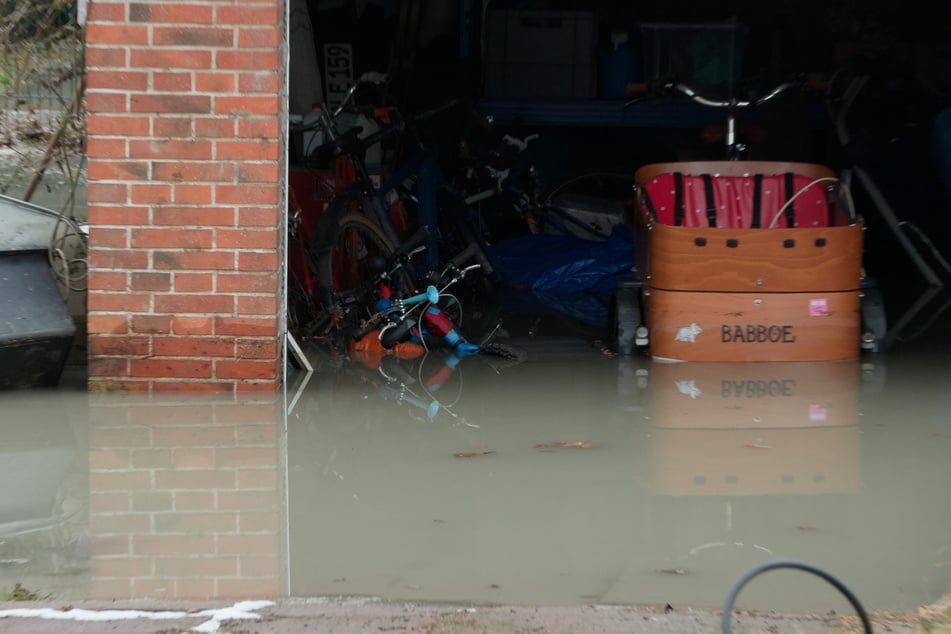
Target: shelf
[
  {"x": 614, "y": 114},
  {"x": 600, "y": 113}
]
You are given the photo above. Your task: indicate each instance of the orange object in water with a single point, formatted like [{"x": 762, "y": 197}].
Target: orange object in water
[{"x": 369, "y": 350}]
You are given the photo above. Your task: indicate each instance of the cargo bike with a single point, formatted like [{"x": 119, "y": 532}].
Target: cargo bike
[{"x": 747, "y": 261}]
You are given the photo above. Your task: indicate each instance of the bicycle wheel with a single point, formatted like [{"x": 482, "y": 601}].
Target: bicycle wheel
[
  {"x": 301, "y": 307},
  {"x": 351, "y": 253}
]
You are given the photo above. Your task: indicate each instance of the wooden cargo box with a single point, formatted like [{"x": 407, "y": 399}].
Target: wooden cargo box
[{"x": 748, "y": 261}]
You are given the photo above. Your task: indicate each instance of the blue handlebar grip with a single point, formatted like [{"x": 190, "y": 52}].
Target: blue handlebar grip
[{"x": 431, "y": 295}]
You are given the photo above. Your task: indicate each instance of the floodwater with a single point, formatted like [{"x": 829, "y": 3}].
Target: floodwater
[{"x": 574, "y": 477}]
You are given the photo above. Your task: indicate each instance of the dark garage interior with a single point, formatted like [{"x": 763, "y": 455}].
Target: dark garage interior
[{"x": 586, "y": 76}]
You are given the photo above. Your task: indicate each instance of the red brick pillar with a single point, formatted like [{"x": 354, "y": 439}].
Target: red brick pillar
[{"x": 186, "y": 160}]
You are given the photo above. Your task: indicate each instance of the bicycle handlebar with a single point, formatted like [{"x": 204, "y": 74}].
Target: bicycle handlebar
[
  {"x": 351, "y": 142},
  {"x": 731, "y": 103},
  {"x": 369, "y": 77},
  {"x": 408, "y": 247},
  {"x": 431, "y": 295}
]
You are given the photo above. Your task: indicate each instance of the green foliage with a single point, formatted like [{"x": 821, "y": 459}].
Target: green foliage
[
  {"x": 40, "y": 45},
  {"x": 35, "y": 19}
]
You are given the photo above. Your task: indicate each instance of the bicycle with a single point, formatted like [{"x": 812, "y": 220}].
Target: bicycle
[
  {"x": 427, "y": 319},
  {"x": 586, "y": 205},
  {"x": 366, "y": 221},
  {"x": 710, "y": 208},
  {"x": 734, "y": 149}
]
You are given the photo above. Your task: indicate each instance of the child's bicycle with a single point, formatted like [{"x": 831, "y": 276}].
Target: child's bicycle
[{"x": 426, "y": 319}]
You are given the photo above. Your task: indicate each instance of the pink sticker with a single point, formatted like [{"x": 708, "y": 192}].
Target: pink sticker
[
  {"x": 818, "y": 307},
  {"x": 818, "y": 413}
]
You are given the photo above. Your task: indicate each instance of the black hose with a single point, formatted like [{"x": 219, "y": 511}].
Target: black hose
[{"x": 797, "y": 565}]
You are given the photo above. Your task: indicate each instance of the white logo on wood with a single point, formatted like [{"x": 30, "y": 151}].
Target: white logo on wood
[{"x": 688, "y": 333}]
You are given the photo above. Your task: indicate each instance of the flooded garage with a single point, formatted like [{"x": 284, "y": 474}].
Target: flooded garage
[{"x": 572, "y": 476}]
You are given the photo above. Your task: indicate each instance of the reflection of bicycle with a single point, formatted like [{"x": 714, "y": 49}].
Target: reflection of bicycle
[{"x": 405, "y": 383}]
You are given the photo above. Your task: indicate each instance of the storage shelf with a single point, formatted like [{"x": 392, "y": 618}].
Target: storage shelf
[
  {"x": 614, "y": 114},
  {"x": 600, "y": 113}
]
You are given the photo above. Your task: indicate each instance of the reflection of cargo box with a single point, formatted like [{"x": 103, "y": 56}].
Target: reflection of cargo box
[
  {"x": 754, "y": 395},
  {"x": 756, "y": 462},
  {"x": 706, "y": 56},
  {"x": 755, "y": 428},
  {"x": 540, "y": 54}
]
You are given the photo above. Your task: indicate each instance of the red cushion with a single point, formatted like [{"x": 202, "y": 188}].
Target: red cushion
[{"x": 733, "y": 196}]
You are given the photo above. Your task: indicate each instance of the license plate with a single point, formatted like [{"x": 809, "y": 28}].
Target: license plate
[{"x": 338, "y": 72}]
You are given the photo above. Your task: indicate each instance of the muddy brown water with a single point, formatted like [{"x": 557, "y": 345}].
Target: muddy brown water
[{"x": 574, "y": 477}]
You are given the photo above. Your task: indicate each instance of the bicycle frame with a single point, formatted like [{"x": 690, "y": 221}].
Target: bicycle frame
[{"x": 422, "y": 168}]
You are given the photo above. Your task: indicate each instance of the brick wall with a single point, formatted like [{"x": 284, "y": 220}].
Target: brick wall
[
  {"x": 186, "y": 159},
  {"x": 184, "y": 499}
]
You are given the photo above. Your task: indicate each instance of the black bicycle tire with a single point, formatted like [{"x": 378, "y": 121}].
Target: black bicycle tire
[
  {"x": 301, "y": 306},
  {"x": 625, "y": 316},
  {"x": 337, "y": 217}
]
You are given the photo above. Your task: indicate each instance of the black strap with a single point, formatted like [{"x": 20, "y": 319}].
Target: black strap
[
  {"x": 678, "y": 199},
  {"x": 711, "y": 201},
  {"x": 649, "y": 204},
  {"x": 757, "y": 201},
  {"x": 791, "y": 207}
]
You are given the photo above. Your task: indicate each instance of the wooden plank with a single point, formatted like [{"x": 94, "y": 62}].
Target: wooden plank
[
  {"x": 755, "y": 260},
  {"x": 705, "y": 326}
]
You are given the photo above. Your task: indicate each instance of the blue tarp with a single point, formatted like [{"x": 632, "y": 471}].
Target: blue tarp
[{"x": 566, "y": 274}]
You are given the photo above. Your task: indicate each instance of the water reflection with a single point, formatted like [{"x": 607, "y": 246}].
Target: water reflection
[
  {"x": 573, "y": 477},
  {"x": 756, "y": 429},
  {"x": 166, "y": 497},
  {"x": 592, "y": 479},
  {"x": 43, "y": 520}
]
